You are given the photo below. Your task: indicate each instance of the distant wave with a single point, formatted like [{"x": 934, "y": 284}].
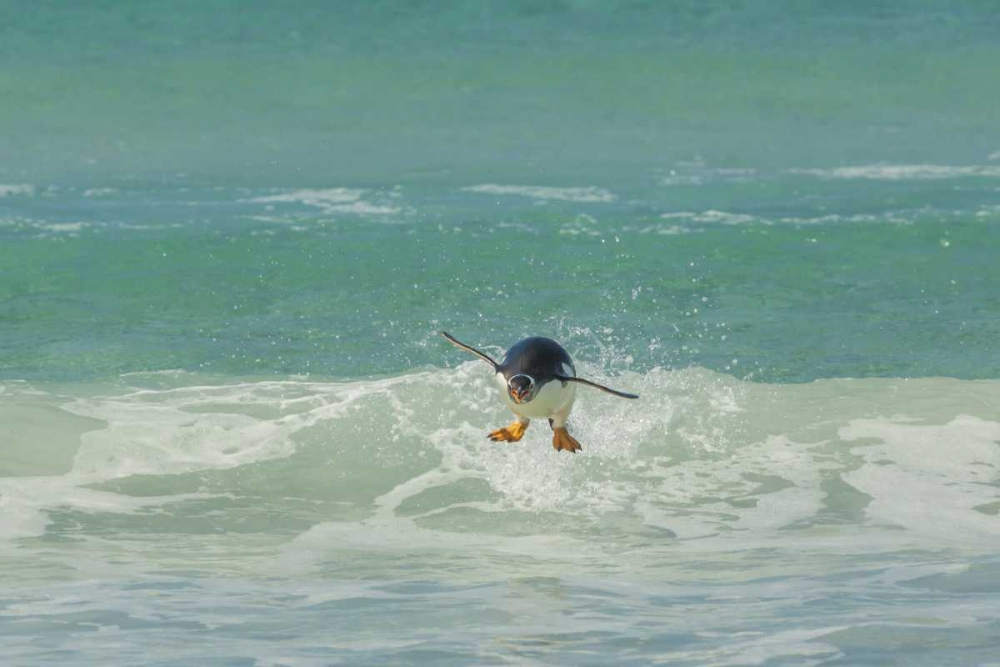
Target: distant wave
[
  {"x": 15, "y": 190},
  {"x": 100, "y": 192},
  {"x": 330, "y": 200},
  {"x": 722, "y": 217},
  {"x": 713, "y": 217},
  {"x": 589, "y": 194},
  {"x": 903, "y": 172}
]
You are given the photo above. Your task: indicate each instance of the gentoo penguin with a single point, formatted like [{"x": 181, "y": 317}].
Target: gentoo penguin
[{"x": 537, "y": 379}]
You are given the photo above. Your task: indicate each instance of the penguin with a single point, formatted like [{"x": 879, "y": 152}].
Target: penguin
[{"x": 537, "y": 380}]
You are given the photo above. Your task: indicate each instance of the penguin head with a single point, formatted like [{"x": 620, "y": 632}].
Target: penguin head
[{"x": 521, "y": 388}]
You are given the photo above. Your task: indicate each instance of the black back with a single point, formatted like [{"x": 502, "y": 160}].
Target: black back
[{"x": 538, "y": 357}]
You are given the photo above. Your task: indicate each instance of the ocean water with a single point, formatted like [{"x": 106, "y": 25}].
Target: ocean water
[{"x": 230, "y": 233}]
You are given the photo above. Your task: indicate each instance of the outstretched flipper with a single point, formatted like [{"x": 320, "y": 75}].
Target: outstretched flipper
[
  {"x": 482, "y": 355},
  {"x": 615, "y": 392}
]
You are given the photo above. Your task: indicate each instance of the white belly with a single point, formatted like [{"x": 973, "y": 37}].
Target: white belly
[{"x": 552, "y": 398}]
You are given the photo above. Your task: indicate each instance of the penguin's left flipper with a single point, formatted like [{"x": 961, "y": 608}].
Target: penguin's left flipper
[
  {"x": 468, "y": 348},
  {"x": 615, "y": 392}
]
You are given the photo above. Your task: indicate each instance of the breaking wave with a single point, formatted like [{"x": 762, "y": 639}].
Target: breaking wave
[{"x": 701, "y": 456}]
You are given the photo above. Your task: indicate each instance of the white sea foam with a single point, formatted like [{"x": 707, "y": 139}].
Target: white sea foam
[
  {"x": 701, "y": 456},
  {"x": 903, "y": 172},
  {"x": 363, "y": 208},
  {"x": 582, "y": 195},
  {"x": 317, "y": 198},
  {"x": 712, "y": 216},
  {"x": 758, "y": 523},
  {"x": 16, "y": 190},
  {"x": 928, "y": 478},
  {"x": 666, "y": 230},
  {"x": 62, "y": 227},
  {"x": 45, "y": 228},
  {"x": 331, "y": 201},
  {"x": 728, "y": 218},
  {"x": 100, "y": 192}
]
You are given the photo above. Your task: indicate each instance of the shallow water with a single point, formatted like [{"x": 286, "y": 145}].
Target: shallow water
[
  {"x": 230, "y": 433},
  {"x": 303, "y": 522}
]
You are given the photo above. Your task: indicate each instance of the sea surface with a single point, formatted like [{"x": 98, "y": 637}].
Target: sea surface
[{"x": 231, "y": 435}]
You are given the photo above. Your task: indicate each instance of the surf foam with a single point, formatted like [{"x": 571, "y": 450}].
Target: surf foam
[
  {"x": 582, "y": 195},
  {"x": 330, "y": 201},
  {"x": 701, "y": 456},
  {"x": 16, "y": 190},
  {"x": 903, "y": 172}
]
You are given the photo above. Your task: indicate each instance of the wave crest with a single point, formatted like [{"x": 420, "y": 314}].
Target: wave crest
[{"x": 700, "y": 455}]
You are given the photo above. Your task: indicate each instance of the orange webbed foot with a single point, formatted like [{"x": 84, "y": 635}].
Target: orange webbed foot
[
  {"x": 562, "y": 440},
  {"x": 511, "y": 433}
]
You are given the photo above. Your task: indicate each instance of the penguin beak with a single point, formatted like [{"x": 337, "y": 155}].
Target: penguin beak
[{"x": 517, "y": 395}]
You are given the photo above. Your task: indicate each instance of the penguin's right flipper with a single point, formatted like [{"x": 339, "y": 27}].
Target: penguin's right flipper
[
  {"x": 589, "y": 383},
  {"x": 482, "y": 355}
]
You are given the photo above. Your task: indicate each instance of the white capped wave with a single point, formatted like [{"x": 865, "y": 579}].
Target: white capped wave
[
  {"x": 330, "y": 200},
  {"x": 66, "y": 227},
  {"x": 701, "y": 456},
  {"x": 712, "y": 216},
  {"x": 100, "y": 192},
  {"x": 17, "y": 190},
  {"x": 45, "y": 228},
  {"x": 728, "y": 218},
  {"x": 903, "y": 172},
  {"x": 318, "y": 198},
  {"x": 363, "y": 208},
  {"x": 582, "y": 195}
]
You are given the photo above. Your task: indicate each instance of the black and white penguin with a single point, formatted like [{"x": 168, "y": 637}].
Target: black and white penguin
[{"x": 537, "y": 379}]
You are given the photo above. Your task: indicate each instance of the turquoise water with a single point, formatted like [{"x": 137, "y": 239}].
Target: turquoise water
[{"x": 231, "y": 435}]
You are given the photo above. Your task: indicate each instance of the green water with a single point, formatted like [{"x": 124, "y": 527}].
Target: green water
[{"x": 356, "y": 298}]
